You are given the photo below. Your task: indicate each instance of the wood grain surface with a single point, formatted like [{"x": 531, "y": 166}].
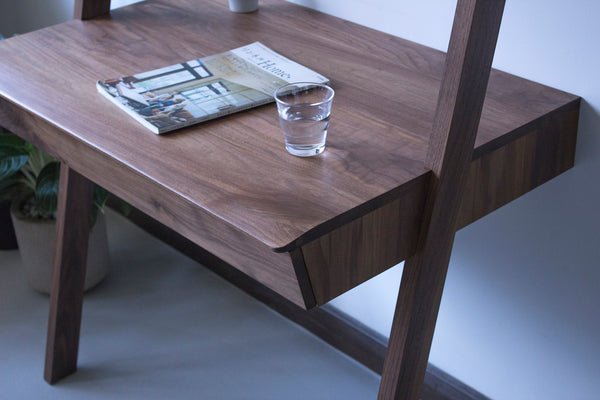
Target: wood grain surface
[
  {"x": 236, "y": 168},
  {"x": 364, "y": 247},
  {"x": 228, "y": 184},
  {"x": 462, "y": 93},
  {"x": 495, "y": 178},
  {"x": 361, "y": 249},
  {"x": 68, "y": 275}
]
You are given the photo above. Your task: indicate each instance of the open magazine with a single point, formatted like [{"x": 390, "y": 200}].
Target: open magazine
[{"x": 183, "y": 94}]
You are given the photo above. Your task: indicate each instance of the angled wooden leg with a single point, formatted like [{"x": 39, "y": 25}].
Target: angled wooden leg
[
  {"x": 468, "y": 64},
  {"x": 88, "y": 9},
  {"x": 68, "y": 276},
  {"x": 412, "y": 328}
]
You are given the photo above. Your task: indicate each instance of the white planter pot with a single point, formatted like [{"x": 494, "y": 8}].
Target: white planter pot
[
  {"x": 36, "y": 240},
  {"x": 243, "y": 6}
]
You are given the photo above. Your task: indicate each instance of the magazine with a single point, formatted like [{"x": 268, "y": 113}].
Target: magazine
[{"x": 183, "y": 94}]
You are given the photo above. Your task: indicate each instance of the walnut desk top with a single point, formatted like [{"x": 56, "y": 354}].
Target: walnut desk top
[{"x": 308, "y": 228}]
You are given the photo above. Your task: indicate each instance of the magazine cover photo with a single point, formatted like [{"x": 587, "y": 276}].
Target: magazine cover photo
[{"x": 182, "y": 94}]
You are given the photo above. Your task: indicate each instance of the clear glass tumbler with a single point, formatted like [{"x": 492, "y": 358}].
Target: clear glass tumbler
[{"x": 304, "y": 111}]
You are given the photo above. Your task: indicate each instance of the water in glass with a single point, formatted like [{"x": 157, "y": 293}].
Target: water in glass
[
  {"x": 304, "y": 110},
  {"x": 305, "y": 129}
]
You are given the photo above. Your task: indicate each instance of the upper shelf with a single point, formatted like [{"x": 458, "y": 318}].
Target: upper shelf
[{"x": 236, "y": 168}]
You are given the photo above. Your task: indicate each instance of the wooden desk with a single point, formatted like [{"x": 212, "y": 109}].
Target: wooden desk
[{"x": 308, "y": 228}]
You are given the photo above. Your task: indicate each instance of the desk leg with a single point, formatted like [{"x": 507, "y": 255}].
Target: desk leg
[
  {"x": 455, "y": 125},
  {"x": 68, "y": 276},
  {"x": 413, "y": 325}
]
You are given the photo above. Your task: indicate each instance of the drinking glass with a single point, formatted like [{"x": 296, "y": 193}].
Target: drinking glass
[{"x": 304, "y": 110}]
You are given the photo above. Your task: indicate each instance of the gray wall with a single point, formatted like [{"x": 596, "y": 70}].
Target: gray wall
[
  {"x": 20, "y": 16},
  {"x": 7, "y": 18}
]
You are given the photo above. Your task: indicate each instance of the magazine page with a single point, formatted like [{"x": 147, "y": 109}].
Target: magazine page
[
  {"x": 197, "y": 90},
  {"x": 260, "y": 68}
]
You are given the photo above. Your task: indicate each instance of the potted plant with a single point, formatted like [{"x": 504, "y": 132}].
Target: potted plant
[{"x": 29, "y": 179}]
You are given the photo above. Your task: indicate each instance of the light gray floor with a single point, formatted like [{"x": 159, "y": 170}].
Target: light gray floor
[{"x": 163, "y": 327}]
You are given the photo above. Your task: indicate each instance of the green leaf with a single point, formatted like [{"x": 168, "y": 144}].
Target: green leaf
[
  {"x": 8, "y": 182},
  {"x": 10, "y": 139},
  {"x": 100, "y": 196},
  {"x": 46, "y": 188},
  {"x": 12, "y": 159},
  {"x": 9, "y": 188},
  {"x": 99, "y": 200},
  {"x": 126, "y": 208},
  {"x": 37, "y": 160}
]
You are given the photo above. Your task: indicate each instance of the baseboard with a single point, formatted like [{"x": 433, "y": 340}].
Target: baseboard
[
  {"x": 331, "y": 325},
  {"x": 438, "y": 385}
]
